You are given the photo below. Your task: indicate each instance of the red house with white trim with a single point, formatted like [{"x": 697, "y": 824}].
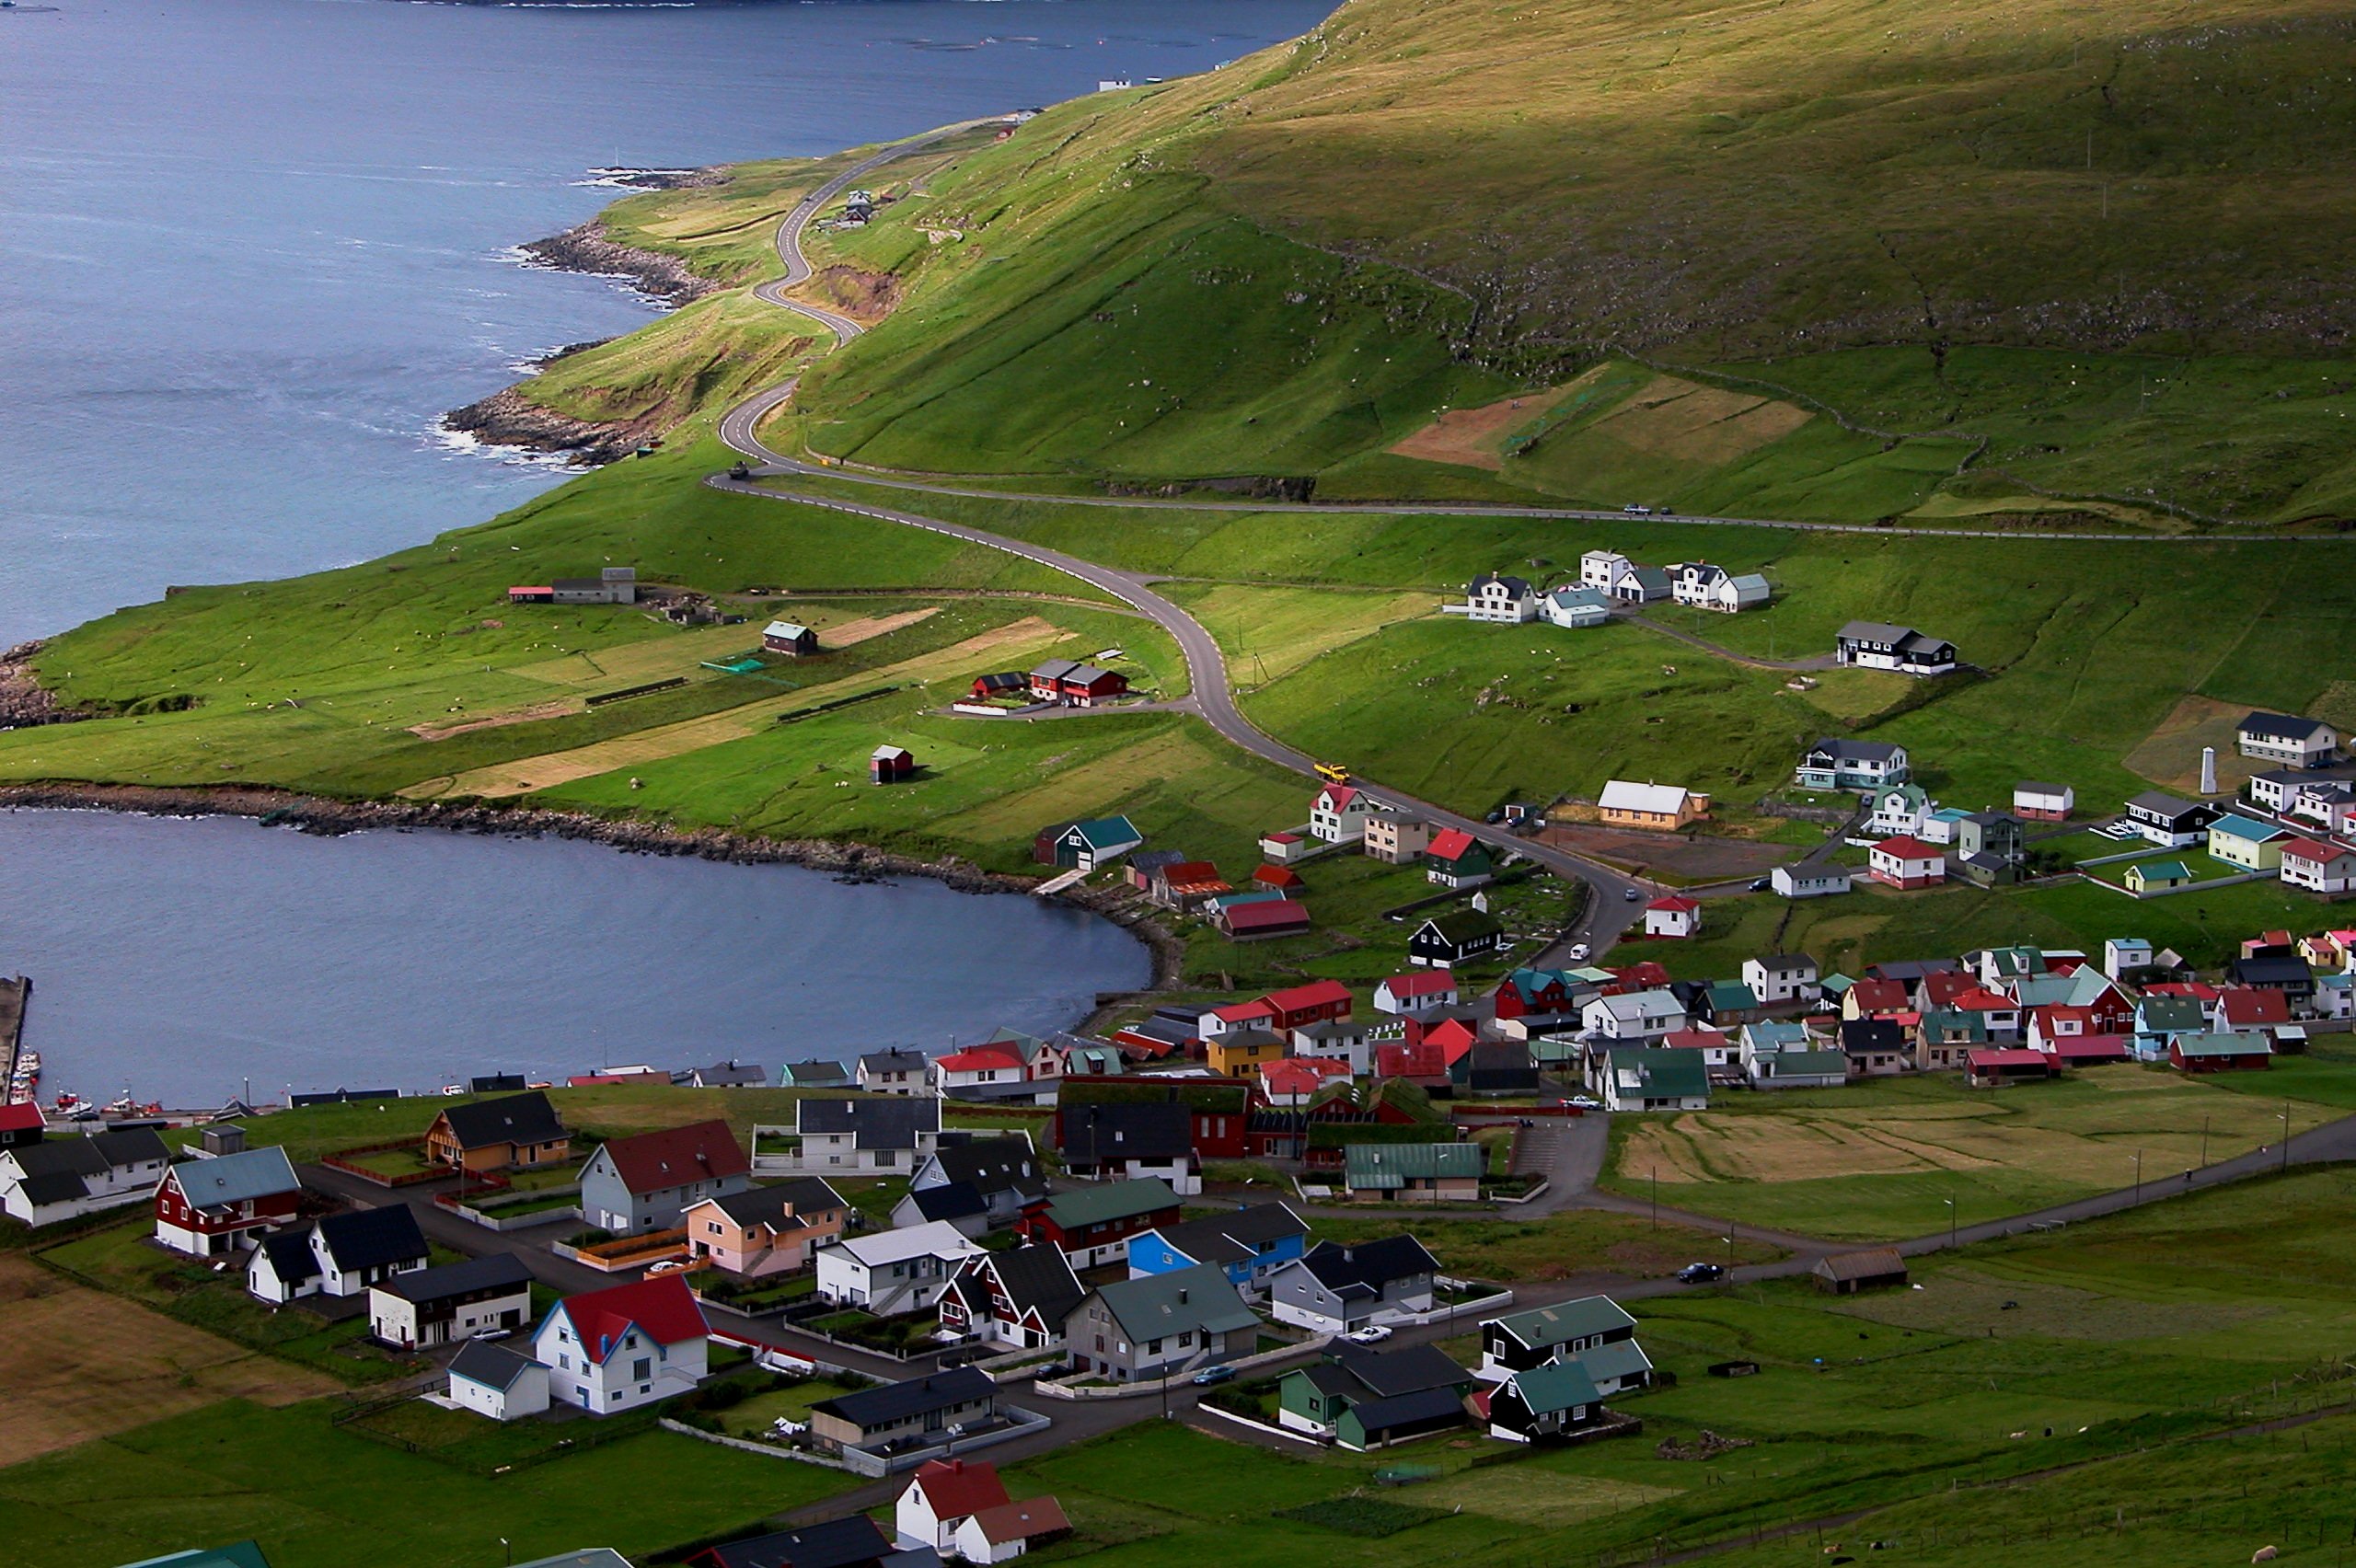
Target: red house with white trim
[
  {"x": 207, "y": 1207},
  {"x": 1907, "y": 862},
  {"x": 1313, "y": 1003},
  {"x": 1075, "y": 685}
]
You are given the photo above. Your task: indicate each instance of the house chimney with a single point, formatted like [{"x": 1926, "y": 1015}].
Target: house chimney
[{"x": 1181, "y": 1294}]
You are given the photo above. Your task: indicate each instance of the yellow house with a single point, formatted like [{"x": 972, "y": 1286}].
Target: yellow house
[
  {"x": 1241, "y": 1052},
  {"x": 1663, "y": 808}
]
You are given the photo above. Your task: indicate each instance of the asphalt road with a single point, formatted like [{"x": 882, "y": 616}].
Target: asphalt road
[{"x": 1213, "y": 697}]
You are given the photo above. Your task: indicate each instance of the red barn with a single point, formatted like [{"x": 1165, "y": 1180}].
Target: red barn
[
  {"x": 889, "y": 765},
  {"x": 206, "y": 1207},
  {"x": 1259, "y": 922},
  {"x": 1075, "y": 685}
]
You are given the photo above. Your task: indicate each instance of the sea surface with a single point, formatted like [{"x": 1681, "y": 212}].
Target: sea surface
[
  {"x": 251, "y": 251},
  {"x": 192, "y": 959}
]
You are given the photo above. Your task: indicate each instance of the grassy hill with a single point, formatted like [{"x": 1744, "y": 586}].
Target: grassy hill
[{"x": 2030, "y": 259}]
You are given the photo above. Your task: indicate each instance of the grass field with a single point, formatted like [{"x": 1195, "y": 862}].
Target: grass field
[
  {"x": 59, "y": 1341},
  {"x": 319, "y": 1497},
  {"x": 1557, "y": 1247},
  {"x": 1881, "y": 1160}
]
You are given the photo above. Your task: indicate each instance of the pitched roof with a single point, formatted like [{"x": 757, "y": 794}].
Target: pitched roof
[
  {"x": 93, "y": 1156},
  {"x": 516, "y": 1118},
  {"x": 2159, "y": 803},
  {"x": 232, "y": 1178},
  {"x": 1451, "y": 844},
  {"x": 773, "y": 1206},
  {"x": 493, "y": 1271},
  {"x": 1542, "y": 1326},
  {"x": 1676, "y": 904},
  {"x": 1424, "y": 1407},
  {"x": 2223, "y": 1045},
  {"x": 2321, "y": 854},
  {"x": 1874, "y": 1263},
  {"x": 1232, "y": 1238},
  {"x": 1458, "y": 927},
  {"x": 815, "y": 1074},
  {"x": 673, "y": 1157},
  {"x": 993, "y": 1165},
  {"x": 1035, "y": 1278},
  {"x": 1026, "y": 1520},
  {"x": 1372, "y": 1167},
  {"x": 661, "y": 1307},
  {"x": 1155, "y": 1130},
  {"x": 852, "y": 1541},
  {"x": 933, "y": 1239},
  {"x": 1660, "y": 1074},
  {"x": 1365, "y": 1267},
  {"x": 1273, "y": 912},
  {"x": 1557, "y": 1386},
  {"x": 372, "y": 1238},
  {"x": 1158, "y": 1306},
  {"x": 1906, "y": 846},
  {"x": 893, "y": 1061},
  {"x": 1656, "y": 800},
  {"x": 493, "y": 1365},
  {"x": 2281, "y": 727},
  {"x": 1317, "y": 993},
  {"x": 891, "y": 1402},
  {"x": 958, "y": 1487},
  {"x": 2233, "y": 825},
  {"x": 290, "y": 1256},
  {"x": 891, "y": 1121},
  {"x": 1408, "y": 1369},
  {"x": 1110, "y": 1202},
  {"x": 1844, "y": 750}
]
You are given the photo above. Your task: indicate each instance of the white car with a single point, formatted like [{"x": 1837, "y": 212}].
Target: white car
[
  {"x": 1583, "y": 1102},
  {"x": 1581, "y": 953},
  {"x": 1373, "y": 1333},
  {"x": 668, "y": 1266}
]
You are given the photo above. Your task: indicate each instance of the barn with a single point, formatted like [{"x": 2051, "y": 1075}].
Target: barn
[
  {"x": 1845, "y": 1273},
  {"x": 793, "y": 640},
  {"x": 890, "y": 765}
]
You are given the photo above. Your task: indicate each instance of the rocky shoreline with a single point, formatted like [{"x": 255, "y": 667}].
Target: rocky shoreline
[
  {"x": 585, "y": 247},
  {"x": 24, "y": 701},
  {"x": 508, "y": 418},
  {"x": 315, "y": 814}
]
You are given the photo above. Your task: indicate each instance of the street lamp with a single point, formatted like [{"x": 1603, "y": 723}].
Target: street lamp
[
  {"x": 2286, "y": 1137},
  {"x": 2204, "y": 1143},
  {"x": 1656, "y": 1188},
  {"x": 2139, "y": 1175},
  {"x": 1950, "y": 1202}
]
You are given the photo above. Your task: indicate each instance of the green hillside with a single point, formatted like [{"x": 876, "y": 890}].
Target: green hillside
[{"x": 2033, "y": 259}]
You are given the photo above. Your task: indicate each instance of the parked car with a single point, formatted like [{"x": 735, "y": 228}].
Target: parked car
[
  {"x": 1222, "y": 1373},
  {"x": 1581, "y": 953},
  {"x": 1583, "y": 1102},
  {"x": 1373, "y": 1333},
  {"x": 1701, "y": 1274},
  {"x": 1761, "y": 884},
  {"x": 1633, "y": 510},
  {"x": 668, "y": 1266}
]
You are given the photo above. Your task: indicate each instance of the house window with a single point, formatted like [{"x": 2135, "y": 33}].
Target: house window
[{"x": 642, "y": 1368}]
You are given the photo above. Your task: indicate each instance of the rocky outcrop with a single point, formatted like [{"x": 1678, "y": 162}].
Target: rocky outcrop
[
  {"x": 586, "y": 249},
  {"x": 508, "y": 418},
  {"x": 24, "y": 701}
]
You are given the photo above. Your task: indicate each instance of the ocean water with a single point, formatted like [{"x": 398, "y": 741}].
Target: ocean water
[
  {"x": 251, "y": 249},
  {"x": 192, "y": 959}
]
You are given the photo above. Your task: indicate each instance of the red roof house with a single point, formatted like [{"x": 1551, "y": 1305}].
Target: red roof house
[
  {"x": 1987, "y": 1068},
  {"x": 2252, "y": 1009},
  {"x": 1259, "y": 922},
  {"x": 1426, "y": 1064},
  {"x": 1313, "y": 1003},
  {"x": 1674, "y": 916},
  {"x": 1415, "y": 993},
  {"x": 1284, "y": 879},
  {"x": 1906, "y": 862}
]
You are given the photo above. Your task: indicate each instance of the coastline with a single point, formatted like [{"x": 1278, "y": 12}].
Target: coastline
[
  {"x": 320, "y": 815},
  {"x": 510, "y": 418}
]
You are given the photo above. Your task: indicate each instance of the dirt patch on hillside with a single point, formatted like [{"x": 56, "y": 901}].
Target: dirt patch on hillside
[
  {"x": 1691, "y": 859},
  {"x": 1681, "y": 419},
  {"x": 865, "y": 297},
  {"x": 851, "y": 633},
  {"x": 79, "y": 1363},
  {"x": 2170, "y": 755},
  {"x": 1474, "y": 438},
  {"x": 532, "y": 714}
]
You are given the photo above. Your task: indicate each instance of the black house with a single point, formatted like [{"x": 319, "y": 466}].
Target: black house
[{"x": 1457, "y": 936}]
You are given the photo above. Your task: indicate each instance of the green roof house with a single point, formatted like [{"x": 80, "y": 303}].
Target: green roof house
[
  {"x": 1086, "y": 845},
  {"x": 2151, "y": 876},
  {"x": 1159, "y": 1325},
  {"x": 1552, "y": 1400},
  {"x": 1414, "y": 1172},
  {"x": 1649, "y": 1079}
]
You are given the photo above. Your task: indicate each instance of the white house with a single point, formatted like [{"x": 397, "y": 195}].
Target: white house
[
  {"x": 1339, "y": 814},
  {"x": 2287, "y": 739},
  {"x": 1900, "y": 808},
  {"x": 343, "y": 1254},
  {"x": 65, "y": 1178},
  {"x": 1490, "y": 597},
  {"x": 1411, "y": 995},
  {"x": 1600, "y": 569},
  {"x": 2038, "y": 802},
  {"x": 1640, "y": 585},
  {"x": 1574, "y": 606},
  {"x": 943, "y": 1494},
  {"x": 492, "y": 1381},
  {"x": 1707, "y": 587},
  {"x": 1674, "y": 916},
  {"x": 893, "y": 1072},
  {"x": 1006, "y": 1532},
  {"x": 1805, "y": 881},
  {"x": 624, "y": 1347},
  {"x": 894, "y": 1271},
  {"x": 1838, "y": 763},
  {"x": 417, "y": 1311},
  {"x": 856, "y": 1135},
  {"x": 1904, "y": 862},
  {"x": 1633, "y": 1015},
  {"x": 1781, "y": 977}
]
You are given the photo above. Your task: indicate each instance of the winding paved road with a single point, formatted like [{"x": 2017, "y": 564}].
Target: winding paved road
[{"x": 1212, "y": 696}]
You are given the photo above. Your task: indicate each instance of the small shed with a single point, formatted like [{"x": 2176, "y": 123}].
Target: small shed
[
  {"x": 787, "y": 638},
  {"x": 1284, "y": 879},
  {"x": 890, "y": 765},
  {"x": 1845, "y": 1273}
]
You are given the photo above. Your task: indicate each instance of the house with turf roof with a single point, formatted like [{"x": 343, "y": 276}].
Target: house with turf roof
[
  {"x": 1159, "y": 1325},
  {"x": 1337, "y": 1288},
  {"x": 1589, "y": 1325},
  {"x": 1363, "y": 1400},
  {"x": 1453, "y": 937}
]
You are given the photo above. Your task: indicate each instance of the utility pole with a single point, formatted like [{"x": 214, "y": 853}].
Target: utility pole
[
  {"x": 1655, "y": 1186},
  {"x": 2286, "y": 1137},
  {"x": 1951, "y": 1222},
  {"x": 2139, "y": 1175}
]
